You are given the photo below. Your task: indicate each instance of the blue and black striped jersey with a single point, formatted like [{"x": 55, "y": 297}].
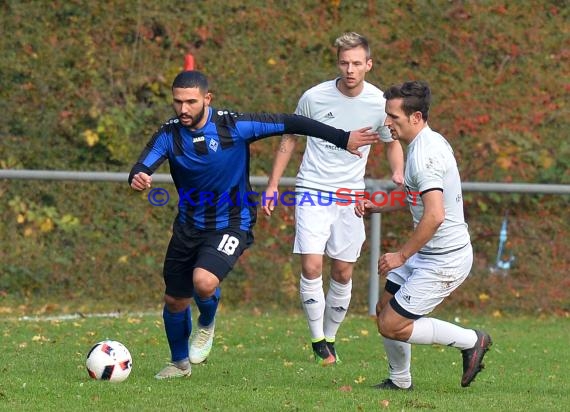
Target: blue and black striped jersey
[{"x": 210, "y": 166}]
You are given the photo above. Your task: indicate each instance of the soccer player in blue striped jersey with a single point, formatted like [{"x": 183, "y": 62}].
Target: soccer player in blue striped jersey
[{"x": 208, "y": 154}]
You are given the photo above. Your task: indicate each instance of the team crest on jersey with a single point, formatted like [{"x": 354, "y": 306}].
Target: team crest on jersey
[{"x": 213, "y": 145}]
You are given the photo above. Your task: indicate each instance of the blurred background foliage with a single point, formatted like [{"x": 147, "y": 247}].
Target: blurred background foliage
[{"x": 85, "y": 84}]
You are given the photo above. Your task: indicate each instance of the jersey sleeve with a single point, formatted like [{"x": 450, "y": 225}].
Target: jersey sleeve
[
  {"x": 301, "y": 125},
  {"x": 255, "y": 126},
  {"x": 304, "y": 106},
  {"x": 152, "y": 156},
  {"x": 431, "y": 175}
]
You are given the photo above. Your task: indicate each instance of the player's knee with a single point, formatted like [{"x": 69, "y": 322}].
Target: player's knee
[
  {"x": 175, "y": 305},
  {"x": 342, "y": 277},
  {"x": 386, "y": 327},
  {"x": 386, "y": 331},
  {"x": 312, "y": 270},
  {"x": 342, "y": 271},
  {"x": 205, "y": 286}
]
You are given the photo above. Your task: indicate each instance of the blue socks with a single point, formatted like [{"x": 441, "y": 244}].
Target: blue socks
[
  {"x": 207, "y": 307},
  {"x": 178, "y": 327}
]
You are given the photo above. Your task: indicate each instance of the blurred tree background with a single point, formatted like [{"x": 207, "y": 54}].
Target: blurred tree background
[{"x": 85, "y": 84}]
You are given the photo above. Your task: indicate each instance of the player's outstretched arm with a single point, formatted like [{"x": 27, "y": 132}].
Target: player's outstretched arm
[{"x": 350, "y": 141}]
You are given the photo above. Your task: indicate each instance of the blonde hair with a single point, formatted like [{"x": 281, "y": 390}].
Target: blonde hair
[{"x": 351, "y": 40}]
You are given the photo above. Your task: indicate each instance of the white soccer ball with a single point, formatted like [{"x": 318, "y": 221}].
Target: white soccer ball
[{"x": 109, "y": 360}]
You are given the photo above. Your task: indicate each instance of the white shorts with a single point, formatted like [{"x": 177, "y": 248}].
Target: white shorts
[
  {"x": 426, "y": 280},
  {"x": 332, "y": 229}
]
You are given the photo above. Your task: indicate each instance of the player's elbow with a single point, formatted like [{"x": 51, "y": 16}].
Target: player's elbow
[
  {"x": 433, "y": 218},
  {"x": 437, "y": 218}
]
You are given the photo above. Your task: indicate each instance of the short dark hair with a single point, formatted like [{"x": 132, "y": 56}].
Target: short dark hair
[
  {"x": 416, "y": 97},
  {"x": 190, "y": 79}
]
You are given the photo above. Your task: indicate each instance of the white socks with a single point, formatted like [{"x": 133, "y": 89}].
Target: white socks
[
  {"x": 324, "y": 316},
  {"x": 426, "y": 331},
  {"x": 313, "y": 301},
  {"x": 430, "y": 330},
  {"x": 399, "y": 358},
  {"x": 337, "y": 302}
]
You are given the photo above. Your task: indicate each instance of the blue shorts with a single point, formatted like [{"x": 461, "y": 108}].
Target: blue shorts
[{"x": 215, "y": 251}]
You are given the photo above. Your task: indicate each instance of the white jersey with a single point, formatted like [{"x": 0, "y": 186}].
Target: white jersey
[
  {"x": 326, "y": 167},
  {"x": 431, "y": 165}
]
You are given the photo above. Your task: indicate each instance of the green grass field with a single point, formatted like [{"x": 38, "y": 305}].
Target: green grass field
[{"x": 262, "y": 362}]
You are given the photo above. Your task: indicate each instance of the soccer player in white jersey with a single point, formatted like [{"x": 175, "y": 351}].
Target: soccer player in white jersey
[
  {"x": 322, "y": 226},
  {"x": 437, "y": 258}
]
